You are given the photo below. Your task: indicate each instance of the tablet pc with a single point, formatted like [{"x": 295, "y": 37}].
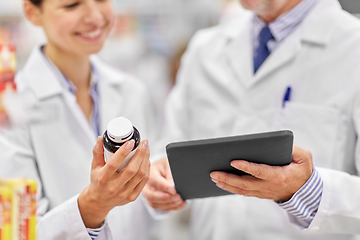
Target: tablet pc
[{"x": 191, "y": 162}]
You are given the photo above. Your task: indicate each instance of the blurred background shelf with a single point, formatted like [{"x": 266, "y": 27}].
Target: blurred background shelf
[{"x": 148, "y": 40}]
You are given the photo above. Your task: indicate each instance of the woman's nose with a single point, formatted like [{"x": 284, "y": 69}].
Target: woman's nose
[{"x": 93, "y": 14}]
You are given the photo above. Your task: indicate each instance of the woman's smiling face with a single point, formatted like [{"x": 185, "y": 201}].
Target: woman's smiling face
[{"x": 76, "y": 26}]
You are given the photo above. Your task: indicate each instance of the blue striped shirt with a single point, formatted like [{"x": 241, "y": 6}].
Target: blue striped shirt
[
  {"x": 94, "y": 121},
  {"x": 305, "y": 202},
  {"x": 94, "y": 233},
  {"x": 283, "y": 25}
]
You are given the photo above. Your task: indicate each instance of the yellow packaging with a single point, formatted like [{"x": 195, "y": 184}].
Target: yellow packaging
[
  {"x": 32, "y": 189},
  {"x": 23, "y": 208},
  {"x": 5, "y": 213}
]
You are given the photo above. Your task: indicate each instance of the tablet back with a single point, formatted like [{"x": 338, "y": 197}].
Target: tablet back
[{"x": 191, "y": 162}]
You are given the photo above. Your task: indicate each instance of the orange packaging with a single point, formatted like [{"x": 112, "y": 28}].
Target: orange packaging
[
  {"x": 7, "y": 76},
  {"x": 23, "y": 208},
  {"x": 5, "y": 213},
  {"x": 7, "y": 65}
]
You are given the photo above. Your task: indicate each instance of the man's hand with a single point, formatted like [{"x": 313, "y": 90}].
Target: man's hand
[
  {"x": 160, "y": 192},
  {"x": 108, "y": 188},
  {"x": 269, "y": 182}
]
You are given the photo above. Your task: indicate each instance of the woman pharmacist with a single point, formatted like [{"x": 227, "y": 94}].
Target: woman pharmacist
[{"x": 60, "y": 154}]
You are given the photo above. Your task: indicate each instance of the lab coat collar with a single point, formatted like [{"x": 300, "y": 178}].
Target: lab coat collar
[
  {"x": 239, "y": 48},
  {"x": 42, "y": 81},
  {"x": 319, "y": 31},
  {"x": 315, "y": 29}
]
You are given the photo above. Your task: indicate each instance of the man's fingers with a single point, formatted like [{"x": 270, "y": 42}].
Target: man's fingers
[
  {"x": 98, "y": 154},
  {"x": 244, "y": 182},
  {"x": 162, "y": 184},
  {"x": 168, "y": 176},
  {"x": 160, "y": 197},
  {"x": 301, "y": 155},
  {"x": 161, "y": 179},
  {"x": 238, "y": 191},
  {"x": 260, "y": 171},
  {"x": 170, "y": 207},
  {"x": 164, "y": 202}
]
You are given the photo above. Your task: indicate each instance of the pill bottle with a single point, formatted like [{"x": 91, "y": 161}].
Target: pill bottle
[{"x": 119, "y": 131}]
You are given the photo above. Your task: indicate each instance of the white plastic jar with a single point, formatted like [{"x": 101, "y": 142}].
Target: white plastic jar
[{"x": 119, "y": 131}]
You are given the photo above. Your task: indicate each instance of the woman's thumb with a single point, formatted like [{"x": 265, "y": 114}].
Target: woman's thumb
[{"x": 98, "y": 154}]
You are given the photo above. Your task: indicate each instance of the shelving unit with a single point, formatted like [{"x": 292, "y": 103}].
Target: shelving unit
[{"x": 10, "y": 8}]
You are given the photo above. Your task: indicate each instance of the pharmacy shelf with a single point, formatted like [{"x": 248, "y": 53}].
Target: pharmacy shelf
[{"x": 12, "y": 8}]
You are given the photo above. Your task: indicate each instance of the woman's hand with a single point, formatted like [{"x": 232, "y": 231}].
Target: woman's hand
[{"x": 108, "y": 188}]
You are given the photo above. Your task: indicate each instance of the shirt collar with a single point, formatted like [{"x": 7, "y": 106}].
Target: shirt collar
[
  {"x": 94, "y": 78},
  {"x": 287, "y": 22}
]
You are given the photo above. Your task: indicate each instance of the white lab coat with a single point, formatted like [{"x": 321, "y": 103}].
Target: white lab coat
[
  {"x": 58, "y": 152},
  {"x": 218, "y": 95}
]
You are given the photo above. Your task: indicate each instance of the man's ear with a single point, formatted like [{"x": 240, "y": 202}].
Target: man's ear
[{"x": 32, "y": 13}]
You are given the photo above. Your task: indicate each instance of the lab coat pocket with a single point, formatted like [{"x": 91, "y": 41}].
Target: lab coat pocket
[{"x": 315, "y": 128}]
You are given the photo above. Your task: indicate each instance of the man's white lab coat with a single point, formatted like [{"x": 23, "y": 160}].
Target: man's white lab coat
[{"x": 218, "y": 95}]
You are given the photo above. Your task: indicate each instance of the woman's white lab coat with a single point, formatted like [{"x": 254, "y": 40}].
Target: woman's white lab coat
[
  {"x": 58, "y": 152},
  {"x": 218, "y": 95}
]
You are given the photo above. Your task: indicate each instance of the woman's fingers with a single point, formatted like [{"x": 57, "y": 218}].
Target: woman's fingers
[
  {"x": 115, "y": 161},
  {"x": 137, "y": 168}
]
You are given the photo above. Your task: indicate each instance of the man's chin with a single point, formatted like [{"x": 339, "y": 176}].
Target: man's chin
[{"x": 256, "y": 6}]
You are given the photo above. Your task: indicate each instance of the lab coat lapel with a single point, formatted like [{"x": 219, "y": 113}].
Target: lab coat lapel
[
  {"x": 285, "y": 52},
  {"x": 45, "y": 83},
  {"x": 314, "y": 30},
  {"x": 111, "y": 102},
  {"x": 40, "y": 77},
  {"x": 240, "y": 50},
  {"x": 84, "y": 124}
]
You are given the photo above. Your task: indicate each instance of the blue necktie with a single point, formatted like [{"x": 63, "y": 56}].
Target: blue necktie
[{"x": 262, "y": 52}]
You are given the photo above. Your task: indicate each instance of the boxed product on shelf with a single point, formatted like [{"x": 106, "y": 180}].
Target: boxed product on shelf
[
  {"x": 5, "y": 213},
  {"x": 7, "y": 66},
  {"x": 23, "y": 208}
]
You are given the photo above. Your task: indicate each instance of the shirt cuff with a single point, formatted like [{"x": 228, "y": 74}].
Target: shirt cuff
[
  {"x": 94, "y": 233},
  {"x": 304, "y": 204}
]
